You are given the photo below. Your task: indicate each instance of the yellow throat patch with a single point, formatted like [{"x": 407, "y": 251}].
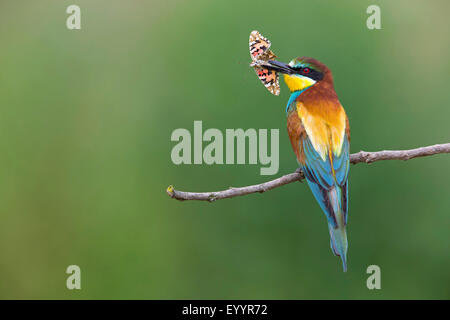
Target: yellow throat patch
[{"x": 296, "y": 83}]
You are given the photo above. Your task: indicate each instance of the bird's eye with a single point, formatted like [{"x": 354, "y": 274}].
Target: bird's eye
[{"x": 306, "y": 70}]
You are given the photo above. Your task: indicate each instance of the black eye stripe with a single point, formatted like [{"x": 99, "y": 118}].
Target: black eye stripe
[{"x": 313, "y": 74}]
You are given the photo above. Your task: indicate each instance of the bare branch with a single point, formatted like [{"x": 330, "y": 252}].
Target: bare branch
[
  {"x": 362, "y": 156},
  {"x": 369, "y": 157}
]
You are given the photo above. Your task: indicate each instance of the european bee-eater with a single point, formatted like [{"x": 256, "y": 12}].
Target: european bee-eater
[{"x": 320, "y": 136}]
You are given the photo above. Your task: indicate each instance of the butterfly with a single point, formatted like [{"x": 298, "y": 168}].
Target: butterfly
[{"x": 260, "y": 53}]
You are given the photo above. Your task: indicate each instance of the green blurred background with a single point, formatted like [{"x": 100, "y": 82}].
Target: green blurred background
[{"x": 85, "y": 123}]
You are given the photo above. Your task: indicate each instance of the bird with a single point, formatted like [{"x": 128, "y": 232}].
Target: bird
[{"x": 319, "y": 133}]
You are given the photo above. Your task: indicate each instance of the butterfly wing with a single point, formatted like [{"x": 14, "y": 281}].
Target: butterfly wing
[
  {"x": 269, "y": 78},
  {"x": 258, "y": 45}
]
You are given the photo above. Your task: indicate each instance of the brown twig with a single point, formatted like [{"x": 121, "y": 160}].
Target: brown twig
[{"x": 362, "y": 156}]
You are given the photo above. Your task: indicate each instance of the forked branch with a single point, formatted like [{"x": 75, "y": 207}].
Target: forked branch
[{"x": 362, "y": 156}]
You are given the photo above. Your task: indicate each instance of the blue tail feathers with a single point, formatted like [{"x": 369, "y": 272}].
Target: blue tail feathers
[
  {"x": 333, "y": 202},
  {"x": 338, "y": 243}
]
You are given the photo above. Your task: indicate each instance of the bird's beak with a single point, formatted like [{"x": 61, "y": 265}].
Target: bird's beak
[{"x": 279, "y": 67}]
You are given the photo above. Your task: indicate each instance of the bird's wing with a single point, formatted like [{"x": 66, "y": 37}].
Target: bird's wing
[{"x": 327, "y": 175}]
